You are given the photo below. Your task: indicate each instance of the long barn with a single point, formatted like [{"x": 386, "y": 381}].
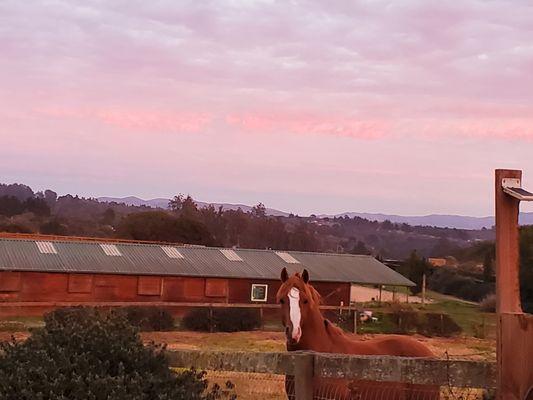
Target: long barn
[{"x": 44, "y": 270}]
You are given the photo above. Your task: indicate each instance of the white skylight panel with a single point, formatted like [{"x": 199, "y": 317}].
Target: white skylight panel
[
  {"x": 231, "y": 255},
  {"x": 172, "y": 252},
  {"x": 111, "y": 250},
  {"x": 287, "y": 257},
  {"x": 46, "y": 247}
]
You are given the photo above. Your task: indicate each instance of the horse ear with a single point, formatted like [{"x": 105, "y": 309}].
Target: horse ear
[
  {"x": 305, "y": 276},
  {"x": 284, "y": 274}
]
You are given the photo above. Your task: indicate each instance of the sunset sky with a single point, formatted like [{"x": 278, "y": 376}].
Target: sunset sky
[{"x": 310, "y": 107}]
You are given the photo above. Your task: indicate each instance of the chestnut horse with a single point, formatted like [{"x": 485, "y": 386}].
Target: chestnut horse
[{"x": 307, "y": 329}]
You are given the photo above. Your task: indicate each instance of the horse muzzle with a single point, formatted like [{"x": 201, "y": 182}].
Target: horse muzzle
[{"x": 293, "y": 335}]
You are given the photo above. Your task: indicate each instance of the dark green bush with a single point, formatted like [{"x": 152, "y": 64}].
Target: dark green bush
[
  {"x": 222, "y": 319},
  {"x": 149, "y": 318},
  {"x": 408, "y": 320},
  {"x": 405, "y": 319},
  {"x": 197, "y": 319},
  {"x": 236, "y": 319},
  {"x": 435, "y": 324},
  {"x": 83, "y": 353},
  {"x": 450, "y": 282}
]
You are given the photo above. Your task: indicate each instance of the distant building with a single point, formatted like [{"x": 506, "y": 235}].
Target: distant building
[
  {"x": 437, "y": 262},
  {"x": 46, "y": 272},
  {"x": 448, "y": 261}
]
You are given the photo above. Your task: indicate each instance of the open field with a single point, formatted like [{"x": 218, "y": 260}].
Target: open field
[{"x": 457, "y": 347}]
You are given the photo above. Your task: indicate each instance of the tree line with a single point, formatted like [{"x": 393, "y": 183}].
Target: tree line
[{"x": 24, "y": 210}]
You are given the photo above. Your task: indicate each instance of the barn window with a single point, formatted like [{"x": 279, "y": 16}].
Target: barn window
[
  {"x": 9, "y": 281},
  {"x": 111, "y": 250},
  {"x": 172, "y": 252},
  {"x": 46, "y": 247},
  {"x": 80, "y": 283},
  {"x": 231, "y": 255},
  {"x": 287, "y": 257},
  {"x": 149, "y": 285},
  {"x": 259, "y": 292},
  {"x": 216, "y": 287}
]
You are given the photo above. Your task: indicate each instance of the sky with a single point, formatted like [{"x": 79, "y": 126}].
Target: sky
[{"x": 402, "y": 107}]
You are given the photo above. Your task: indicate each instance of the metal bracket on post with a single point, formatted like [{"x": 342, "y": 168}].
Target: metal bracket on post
[{"x": 513, "y": 187}]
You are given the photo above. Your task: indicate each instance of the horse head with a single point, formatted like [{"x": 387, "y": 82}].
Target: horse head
[{"x": 298, "y": 300}]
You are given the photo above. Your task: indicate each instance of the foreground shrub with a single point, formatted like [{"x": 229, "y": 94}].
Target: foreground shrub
[
  {"x": 222, "y": 319},
  {"x": 149, "y": 318},
  {"x": 82, "y": 353}
]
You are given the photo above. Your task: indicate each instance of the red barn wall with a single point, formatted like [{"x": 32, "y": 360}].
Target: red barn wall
[{"x": 61, "y": 287}]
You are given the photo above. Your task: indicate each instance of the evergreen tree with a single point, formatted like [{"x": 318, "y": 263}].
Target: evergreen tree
[{"x": 488, "y": 267}]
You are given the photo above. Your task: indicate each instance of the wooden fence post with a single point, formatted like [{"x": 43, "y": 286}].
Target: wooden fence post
[{"x": 303, "y": 376}]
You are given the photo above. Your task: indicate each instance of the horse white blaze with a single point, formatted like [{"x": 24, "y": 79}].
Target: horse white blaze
[{"x": 295, "y": 313}]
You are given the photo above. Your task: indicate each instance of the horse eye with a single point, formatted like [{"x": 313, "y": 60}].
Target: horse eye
[
  {"x": 306, "y": 301},
  {"x": 282, "y": 301}
]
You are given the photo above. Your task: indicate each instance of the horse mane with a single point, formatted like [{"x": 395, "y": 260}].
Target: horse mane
[
  {"x": 332, "y": 329},
  {"x": 317, "y": 298}
]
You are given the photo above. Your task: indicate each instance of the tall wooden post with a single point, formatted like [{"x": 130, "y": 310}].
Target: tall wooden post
[
  {"x": 507, "y": 252},
  {"x": 515, "y": 329}
]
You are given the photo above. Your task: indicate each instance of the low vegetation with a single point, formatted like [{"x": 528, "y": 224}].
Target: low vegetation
[
  {"x": 401, "y": 319},
  {"x": 82, "y": 353},
  {"x": 221, "y": 320},
  {"x": 148, "y": 319},
  {"x": 488, "y": 304}
]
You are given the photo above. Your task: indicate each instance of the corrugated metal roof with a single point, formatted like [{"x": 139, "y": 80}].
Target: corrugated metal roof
[{"x": 151, "y": 259}]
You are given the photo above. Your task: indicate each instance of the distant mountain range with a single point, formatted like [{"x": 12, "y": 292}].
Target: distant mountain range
[{"x": 439, "y": 220}]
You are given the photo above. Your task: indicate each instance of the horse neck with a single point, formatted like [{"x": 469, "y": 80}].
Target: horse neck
[
  {"x": 315, "y": 337},
  {"x": 314, "y": 334}
]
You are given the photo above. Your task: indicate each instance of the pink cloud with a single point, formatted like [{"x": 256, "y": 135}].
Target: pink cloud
[
  {"x": 139, "y": 120},
  {"x": 308, "y": 124}
]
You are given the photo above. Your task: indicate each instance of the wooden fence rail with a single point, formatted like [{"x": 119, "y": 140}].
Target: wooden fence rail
[{"x": 454, "y": 373}]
